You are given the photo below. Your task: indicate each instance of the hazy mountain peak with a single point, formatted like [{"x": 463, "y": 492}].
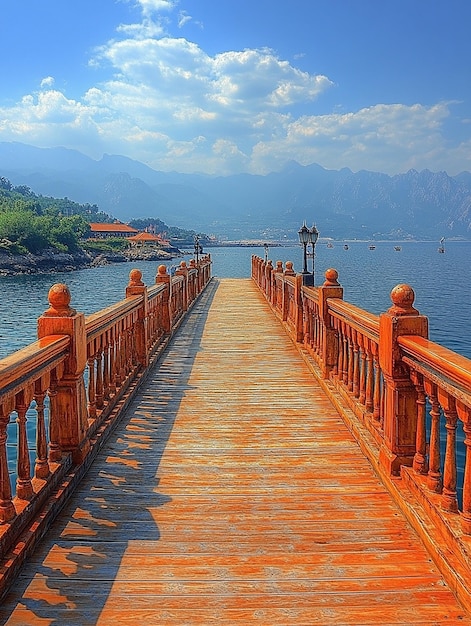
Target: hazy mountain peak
[{"x": 343, "y": 204}]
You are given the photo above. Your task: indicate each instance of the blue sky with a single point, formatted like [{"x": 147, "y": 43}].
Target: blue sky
[{"x": 229, "y": 86}]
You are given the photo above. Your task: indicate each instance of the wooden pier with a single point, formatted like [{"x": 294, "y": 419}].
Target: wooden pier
[{"x": 231, "y": 491}]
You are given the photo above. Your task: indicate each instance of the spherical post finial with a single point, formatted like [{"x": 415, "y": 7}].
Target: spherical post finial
[
  {"x": 135, "y": 278},
  {"x": 402, "y": 297},
  {"x": 331, "y": 278},
  {"x": 59, "y": 299}
]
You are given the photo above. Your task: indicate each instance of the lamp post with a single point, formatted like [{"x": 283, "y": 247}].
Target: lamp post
[
  {"x": 265, "y": 245},
  {"x": 308, "y": 236},
  {"x": 314, "y": 238},
  {"x": 197, "y": 248},
  {"x": 305, "y": 238}
]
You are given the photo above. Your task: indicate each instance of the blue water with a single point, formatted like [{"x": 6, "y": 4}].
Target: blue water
[{"x": 442, "y": 283}]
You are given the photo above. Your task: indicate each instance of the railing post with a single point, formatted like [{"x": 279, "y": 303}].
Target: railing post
[
  {"x": 7, "y": 509},
  {"x": 182, "y": 270},
  {"x": 298, "y": 298},
  {"x": 164, "y": 277},
  {"x": 278, "y": 270},
  {"x": 285, "y": 307},
  {"x": 330, "y": 343},
  {"x": 400, "y": 406},
  {"x": 70, "y": 402},
  {"x": 136, "y": 288},
  {"x": 268, "y": 280},
  {"x": 206, "y": 269}
]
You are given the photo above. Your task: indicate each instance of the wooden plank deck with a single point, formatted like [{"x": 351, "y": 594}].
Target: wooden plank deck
[{"x": 231, "y": 493}]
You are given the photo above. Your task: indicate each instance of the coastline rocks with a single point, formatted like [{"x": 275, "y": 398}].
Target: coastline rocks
[
  {"x": 47, "y": 261},
  {"x": 54, "y": 261}
]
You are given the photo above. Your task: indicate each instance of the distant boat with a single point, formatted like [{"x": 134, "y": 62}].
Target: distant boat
[
  {"x": 397, "y": 248},
  {"x": 441, "y": 247},
  {"x": 345, "y": 247},
  {"x": 330, "y": 244},
  {"x": 372, "y": 247}
]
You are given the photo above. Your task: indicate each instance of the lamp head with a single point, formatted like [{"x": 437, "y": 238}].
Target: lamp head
[{"x": 304, "y": 234}]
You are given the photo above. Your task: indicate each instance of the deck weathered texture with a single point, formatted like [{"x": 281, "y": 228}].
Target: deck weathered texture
[{"x": 231, "y": 493}]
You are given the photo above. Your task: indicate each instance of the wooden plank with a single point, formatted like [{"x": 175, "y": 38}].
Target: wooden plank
[{"x": 231, "y": 493}]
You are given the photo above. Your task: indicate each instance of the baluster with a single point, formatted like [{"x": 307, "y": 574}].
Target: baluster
[
  {"x": 356, "y": 365},
  {"x": 55, "y": 449},
  {"x": 362, "y": 367},
  {"x": 91, "y": 382},
  {"x": 382, "y": 387},
  {"x": 449, "y": 498},
  {"x": 132, "y": 360},
  {"x": 112, "y": 360},
  {"x": 340, "y": 352},
  {"x": 321, "y": 336},
  {"x": 136, "y": 359},
  {"x": 369, "y": 399},
  {"x": 434, "y": 479},
  {"x": 124, "y": 352},
  {"x": 420, "y": 458},
  {"x": 153, "y": 335},
  {"x": 351, "y": 361},
  {"x": 308, "y": 321},
  {"x": 335, "y": 368},
  {"x": 116, "y": 356},
  {"x": 107, "y": 367},
  {"x": 318, "y": 331},
  {"x": 464, "y": 413},
  {"x": 345, "y": 355},
  {"x": 7, "y": 509},
  {"x": 99, "y": 387},
  {"x": 378, "y": 395},
  {"x": 41, "y": 469},
  {"x": 24, "y": 487}
]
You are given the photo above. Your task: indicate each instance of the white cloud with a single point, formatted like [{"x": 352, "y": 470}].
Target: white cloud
[
  {"x": 47, "y": 82},
  {"x": 388, "y": 138},
  {"x": 183, "y": 18},
  {"x": 170, "y": 104},
  {"x": 151, "y": 7}
]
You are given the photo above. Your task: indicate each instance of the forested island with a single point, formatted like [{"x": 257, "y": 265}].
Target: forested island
[{"x": 44, "y": 234}]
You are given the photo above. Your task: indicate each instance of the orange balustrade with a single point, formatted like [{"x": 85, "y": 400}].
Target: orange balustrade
[
  {"x": 71, "y": 385},
  {"x": 402, "y": 395}
]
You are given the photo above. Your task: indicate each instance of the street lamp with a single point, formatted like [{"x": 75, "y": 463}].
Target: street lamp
[
  {"x": 314, "y": 238},
  {"x": 198, "y": 248},
  {"x": 305, "y": 238},
  {"x": 308, "y": 236}
]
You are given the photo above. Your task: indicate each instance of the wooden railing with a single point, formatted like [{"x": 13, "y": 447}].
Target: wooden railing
[
  {"x": 60, "y": 395},
  {"x": 402, "y": 395}
]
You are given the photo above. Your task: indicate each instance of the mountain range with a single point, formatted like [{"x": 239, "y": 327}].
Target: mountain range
[{"x": 343, "y": 204}]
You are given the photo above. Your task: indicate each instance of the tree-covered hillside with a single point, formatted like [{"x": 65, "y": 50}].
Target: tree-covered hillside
[{"x": 32, "y": 223}]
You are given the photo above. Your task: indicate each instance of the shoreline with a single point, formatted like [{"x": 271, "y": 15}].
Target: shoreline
[{"x": 51, "y": 261}]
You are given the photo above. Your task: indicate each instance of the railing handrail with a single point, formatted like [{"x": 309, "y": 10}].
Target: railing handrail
[
  {"x": 29, "y": 363},
  {"x": 363, "y": 321},
  {"x": 96, "y": 323},
  {"x": 154, "y": 290},
  {"x": 439, "y": 363}
]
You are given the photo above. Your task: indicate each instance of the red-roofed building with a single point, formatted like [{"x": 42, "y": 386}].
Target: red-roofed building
[
  {"x": 116, "y": 229},
  {"x": 148, "y": 239}
]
